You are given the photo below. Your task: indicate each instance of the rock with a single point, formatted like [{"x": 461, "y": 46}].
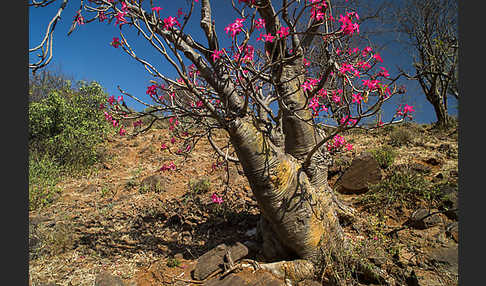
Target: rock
[
  {"x": 364, "y": 170},
  {"x": 107, "y": 279},
  {"x": 420, "y": 168},
  {"x": 433, "y": 161},
  {"x": 452, "y": 230},
  {"x": 215, "y": 258},
  {"x": 155, "y": 183},
  {"x": 450, "y": 202},
  {"x": 448, "y": 256},
  {"x": 48, "y": 284},
  {"x": 88, "y": 189},
  {"x": 258, "y": 278},
  {"x": 420, "y": 219}
]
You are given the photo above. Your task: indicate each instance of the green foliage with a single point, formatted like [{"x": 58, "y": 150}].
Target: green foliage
[
  {"x": 173, "y": 262},
  {"x": 385, "y": 156},
  {"x": 400, "y": 136},
  {"x": 404, "y": 188},
  {"x": 200, "y": 186},
  {"x": 44, "y": 174},
  {"x": 66, "y": 128},
  {"x": 69, "y": 125}
]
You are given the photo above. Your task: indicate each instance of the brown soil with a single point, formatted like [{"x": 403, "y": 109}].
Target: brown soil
[{"x": 108, "y": 222}]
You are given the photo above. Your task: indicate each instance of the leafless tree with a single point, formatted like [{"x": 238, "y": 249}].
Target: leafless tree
[
  {"x": 431, "y": 31},
  {"x": 261, "y": 92}
]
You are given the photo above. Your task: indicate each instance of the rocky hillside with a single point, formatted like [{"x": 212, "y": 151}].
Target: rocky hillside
[{"x": 129, "y": 223}]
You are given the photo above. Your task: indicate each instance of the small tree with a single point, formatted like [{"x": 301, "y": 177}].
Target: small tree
[
  {"x": 430, "y": 28},
  {"x": 271, "y": 101}
]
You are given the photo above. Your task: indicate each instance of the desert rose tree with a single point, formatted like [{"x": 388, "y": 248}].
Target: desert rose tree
[{"x": 270, "y": 100}]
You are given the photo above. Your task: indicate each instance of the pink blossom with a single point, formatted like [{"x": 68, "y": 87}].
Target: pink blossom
[
  {"x": 283, "y": 32},
  {"x": 170, "y": 22},
  {"x": 357, "y": 97},
  {"x": 216, "y": 199},
  {"x": 260, "y": 23},
  {"x": 111, "y": 100},
  {"x": 383, "y": 72},
  {"x": 122, "y": 132},
  {"x": 156, "y": 9},
  {"x": 371, "y": 84},
  {"x": 234, "y": 28},
  {"x": 377, "y": 57},
  {"x": 116, "y": 42},
  {"x": 216, "y": 54},
  {"x": 163, "y": 146},
  {"x": 137, "y": 123},
  {"x": 268, "y": 37},
  {"x": 172, "y": 140},
  {"x": 119, "y": 18},
  {"x": 151, "y": 90},
  {"x": 102, "y": 16},
  {"x": 306, "y": 62}
]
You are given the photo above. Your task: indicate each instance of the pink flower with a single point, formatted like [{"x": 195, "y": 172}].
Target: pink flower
[
  {"x": 349, "y": 147},
  {"x": 366, "y": 51},
  {"x": 151, "y": 90},
  {"x": 377, "y": 57},
  {"x": 306, "y": 62},
  {"x": 116, "y": 42},
  {"x": 120, "y": 98},
  {"x": 234, "y": 28},
  {"x": 170, "y": 22},
  {"x": 172, "y": 140},
  {"x": 102, "y": 106},
  {"x": 260, "y": 23},
  {"x": 383, "y": 72},
  {"x": 156, "y": 9},
  {"x": 283, "y": 32},
  {"x": 216, "y": 54},
  {"x": 163, "y": 146},
  {"x": 357, "y": 97},
  {"x": 268, "y": 37},
  {"x": 111, "y": 99},
  {"x": 102, "y": 16},
  {"x": 371, "y": 84},
  {"x": 216, "y": 199},
  {"x": 408, "y": 109},
  {"x": 119, "y": 18},
  {"x": 137, "y": 123},
  {"x": 122, "y": 131}
]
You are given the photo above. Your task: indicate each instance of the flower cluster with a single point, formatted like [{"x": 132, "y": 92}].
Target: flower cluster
[
  {"x": 337, "y": 143},
  {"x": 234, "y": 28},
  {"x": 347, "y": 25},
  {"x": 216, "y": 199},
  {"x": 168, "y": 167}
]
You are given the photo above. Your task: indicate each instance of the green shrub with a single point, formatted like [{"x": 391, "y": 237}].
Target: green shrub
[
  {"x": 200, "y": 186},
  {"x": 405, "y": 188},
  {"x": 66, "y": 128},
  {"x": 173, "y": 262},
  {"x": 44, "y": 174},
  {"x": 385, "y": 156},
  {"x": 400, "y": 137},
  {"x": 69, "y": 125}
]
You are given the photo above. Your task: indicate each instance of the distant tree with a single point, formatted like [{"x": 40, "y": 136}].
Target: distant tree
[
  {"x": 431, "y": 31},
  {"x": 271, "y": 101}
]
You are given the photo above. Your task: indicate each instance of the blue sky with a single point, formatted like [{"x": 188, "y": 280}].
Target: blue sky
[{"x": 87, "y": 55}]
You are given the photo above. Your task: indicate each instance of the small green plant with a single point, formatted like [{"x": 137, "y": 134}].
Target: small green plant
[
  {"x": 44, "y": 174},
  {"x": 173, "y": 262},
  {"x": 402, "y": 187},
  {"x": 400, "y": 137},
  {"x": 200, "y": 186},
  {"x": 385, "y": 156}
]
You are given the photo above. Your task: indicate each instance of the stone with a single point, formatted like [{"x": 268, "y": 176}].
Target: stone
[
  {"x": 420, "y": 219},
  {"x": 364, "y": 170},
  {"x": 452, "y": 230},
  {"x": 448, "y": 256},
  {"x": 258, "y": 278},
  {"x": 215, "y": 259},
  {"x": 450, "y": 202},
  {"x": 107, "y": 279}
]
